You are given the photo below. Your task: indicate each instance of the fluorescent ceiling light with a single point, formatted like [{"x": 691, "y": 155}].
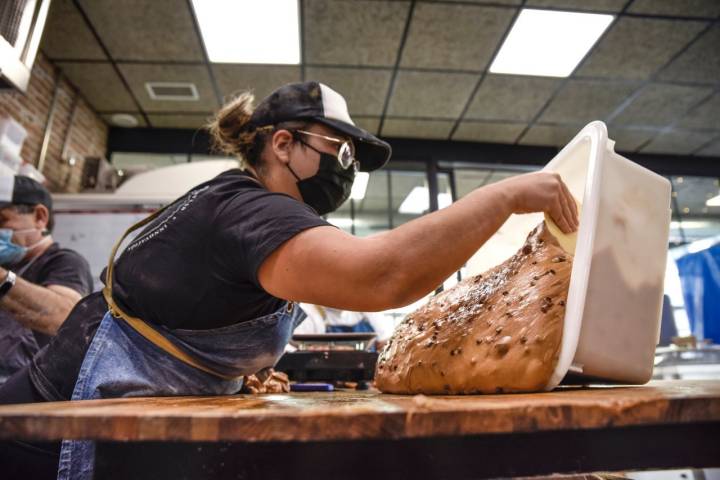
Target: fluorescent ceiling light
[
  {"x": 250, "y": 31},
  {"x": 549, "y": 43},
  {"x": 360, "y": 186},
  {"x": 418, "y": 201},
  {"x": 713, "y": 202}
]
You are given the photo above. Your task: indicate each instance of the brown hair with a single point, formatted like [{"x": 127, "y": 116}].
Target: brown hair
[{"x": 232, "y": 135}]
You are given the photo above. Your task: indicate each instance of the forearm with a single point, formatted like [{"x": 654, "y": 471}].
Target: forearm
[
  {"x": 429, "y": 249},
  {"x": 36, "y": 307}
]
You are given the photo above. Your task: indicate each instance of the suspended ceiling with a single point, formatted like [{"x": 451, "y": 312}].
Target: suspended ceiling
[{"x": 418, "y": 69}]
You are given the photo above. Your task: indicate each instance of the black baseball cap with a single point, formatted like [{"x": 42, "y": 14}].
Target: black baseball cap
[
  {"x": 314, "y": 101},
  {"x": 21, "y": 190}
]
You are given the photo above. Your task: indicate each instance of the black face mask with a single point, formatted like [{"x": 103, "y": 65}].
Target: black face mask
[{"x": 329, "y": 187}]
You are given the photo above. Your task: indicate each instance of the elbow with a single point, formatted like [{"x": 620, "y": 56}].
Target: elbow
[
  {"x": 59, "y": 316},
  {"x": 398, "y": 290}
]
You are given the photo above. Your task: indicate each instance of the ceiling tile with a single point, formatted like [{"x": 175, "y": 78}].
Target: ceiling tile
[
  {"x": 460, "y": 37},
  {"x": 370, "y": 124},
  {"x": 409, "y": 128},
  {"x": 700, "y": 63},
  {"x": 490, "y": 132},
  {"x": 353, "y": 32},
  {"x": 108, "y": 119},
  {"x": 141, "y": 30},
  {"x": 685, "y": 8},
  {"x": 67, "y": 36},
  {"x": 364, "y": 90},
  {"x": 712, "y": 150},
  {"x": 100, "y": 85},
  {"x": 660, "y": 104},
  {"x": 138, "y": 74},
  {"x": 189, "y": 121},
  {"x": 581, "y": 101},
  {"x": 636, "y": 48},
  {"x": 593, "y": 5},
  {"x": 628, "y": 139},
  {"x": 553, "y": 135},
  {"x": 432, "y": 95},
  {"x": 261, "y": 79},
  {"x": 678, "y": 142},
  {"x": 511, "y": 97},
  {"x": 706, "y": 115}
]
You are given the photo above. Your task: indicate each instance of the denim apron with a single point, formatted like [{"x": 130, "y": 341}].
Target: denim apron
[{"x": 123, "y": 360}]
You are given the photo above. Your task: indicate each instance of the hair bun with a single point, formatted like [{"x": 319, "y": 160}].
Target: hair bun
[{"x": 229, "y": 127}]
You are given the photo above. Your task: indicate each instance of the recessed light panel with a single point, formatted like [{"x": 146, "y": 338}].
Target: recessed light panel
[
  {"x": 250, "y": 31},
  {"x": 549, "y": 43}
]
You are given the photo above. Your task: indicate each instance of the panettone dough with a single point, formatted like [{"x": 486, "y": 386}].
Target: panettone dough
[{"x": 496, "y": 332}]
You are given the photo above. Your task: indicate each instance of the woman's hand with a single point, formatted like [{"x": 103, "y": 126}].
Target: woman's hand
[{"x": 544, "y": 192}]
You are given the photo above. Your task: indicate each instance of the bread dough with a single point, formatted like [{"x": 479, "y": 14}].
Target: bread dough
[{"x": 496, "y": 332}]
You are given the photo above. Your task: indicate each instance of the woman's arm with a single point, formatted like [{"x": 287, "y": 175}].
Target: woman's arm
[{"x": 327, "y": 266}]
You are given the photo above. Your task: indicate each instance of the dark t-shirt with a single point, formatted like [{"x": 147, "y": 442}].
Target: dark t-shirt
[
  {"x": 55, "y": 266},
  {"x": 193, "y": 267}
]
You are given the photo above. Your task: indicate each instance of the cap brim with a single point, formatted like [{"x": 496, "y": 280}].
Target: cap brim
[{"x": 370, "y": 151}]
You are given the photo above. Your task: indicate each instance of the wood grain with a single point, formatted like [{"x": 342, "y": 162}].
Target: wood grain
[{"x": 362, "y": 415}]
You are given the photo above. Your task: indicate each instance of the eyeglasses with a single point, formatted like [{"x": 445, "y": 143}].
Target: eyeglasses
[{"x": 345, "y": 153}]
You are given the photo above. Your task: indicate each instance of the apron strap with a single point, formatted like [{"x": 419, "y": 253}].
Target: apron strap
[{"x": 139, "y": 325}]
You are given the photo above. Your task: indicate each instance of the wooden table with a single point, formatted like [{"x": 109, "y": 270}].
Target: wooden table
[{"x": 368, "y": 434}]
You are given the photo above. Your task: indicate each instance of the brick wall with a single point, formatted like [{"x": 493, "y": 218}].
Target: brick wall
[{"x": 85, "y": 136}]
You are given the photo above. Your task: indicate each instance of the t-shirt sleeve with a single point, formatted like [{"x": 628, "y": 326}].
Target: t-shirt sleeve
[
  {"x": 68, "y": 269},
  {"x": 254, "y": 224}
]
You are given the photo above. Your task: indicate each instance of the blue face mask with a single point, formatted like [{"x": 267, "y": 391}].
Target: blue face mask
[{"x": 12, "y": 253}]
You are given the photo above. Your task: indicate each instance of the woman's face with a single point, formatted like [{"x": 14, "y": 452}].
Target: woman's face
[{"x": 306, "y": 161}]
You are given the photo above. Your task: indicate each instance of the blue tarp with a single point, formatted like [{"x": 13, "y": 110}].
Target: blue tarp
[{"x": 700, "y": 280}]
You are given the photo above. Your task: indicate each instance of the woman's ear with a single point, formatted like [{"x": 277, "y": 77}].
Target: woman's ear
[{"x": 281, "y": 144}]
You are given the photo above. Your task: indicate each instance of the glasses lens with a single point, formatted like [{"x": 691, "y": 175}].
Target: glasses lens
[{"x": 345, "y": 155}]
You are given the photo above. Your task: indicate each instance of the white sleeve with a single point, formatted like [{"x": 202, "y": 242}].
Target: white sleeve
[
  {"x": 314, "y": 322},
  {"x": 382, "y": 325}
]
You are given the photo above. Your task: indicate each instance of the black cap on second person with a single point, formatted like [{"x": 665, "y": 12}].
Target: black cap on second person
[
  {"x": 21, "y": 190},
  {"x": 317, "y": 102}
]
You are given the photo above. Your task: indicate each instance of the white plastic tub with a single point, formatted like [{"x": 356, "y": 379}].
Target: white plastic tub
[{"x": 612, "y": 319}]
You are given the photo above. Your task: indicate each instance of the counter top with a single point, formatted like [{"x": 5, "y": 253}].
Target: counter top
[{"x": 351, "y": 415}]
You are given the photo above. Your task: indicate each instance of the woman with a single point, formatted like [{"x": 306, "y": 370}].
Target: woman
[{"x": 205, "y": 293}]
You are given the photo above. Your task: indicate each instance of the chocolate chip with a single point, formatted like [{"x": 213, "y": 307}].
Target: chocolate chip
[
  {"x": 532, "y": 284},
  {"x": 562, "y": 303},
  {"x": 534, "y": 262},
  {"x": 527, "y": 249},
  {"x": 503, "y": 345},
  {"x": 478, "y": 341},
  {"x": 505, "y": 293}
]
